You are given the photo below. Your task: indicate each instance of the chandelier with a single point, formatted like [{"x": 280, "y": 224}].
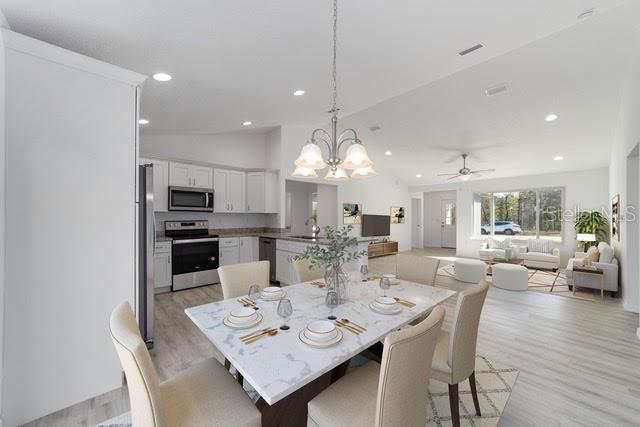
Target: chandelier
[{"x": 356, "y": 159}]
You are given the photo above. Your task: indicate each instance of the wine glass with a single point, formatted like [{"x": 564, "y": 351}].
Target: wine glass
[
  {"x": 331, "y": 300},
  {"x": 254, "y": 293},
  {"x": 385, "y": 284},
  {"x": 364, "y": 270},
  {"x": 285, "y": 310}
]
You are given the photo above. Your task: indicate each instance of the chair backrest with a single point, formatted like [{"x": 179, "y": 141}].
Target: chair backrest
[
  {"x": 464, "y": 332},
  {"x": 142, "y": 379},
  {"x": 236, "y": 278},
  {"x": 404, "y": 373},
  {"x": 304, "y": 272},
  {"x": 416, "y": 268}
]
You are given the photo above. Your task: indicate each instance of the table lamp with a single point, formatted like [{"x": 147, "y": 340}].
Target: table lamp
[{"x": 586, "y": 238}]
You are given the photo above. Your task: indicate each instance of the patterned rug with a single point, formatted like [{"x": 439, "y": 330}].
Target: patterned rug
[
  {"x": 544, "y": 281},
  {"x": 494, "y": 384}
]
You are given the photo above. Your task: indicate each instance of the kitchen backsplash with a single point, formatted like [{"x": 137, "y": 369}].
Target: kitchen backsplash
[{"x": 218, "y": 220}]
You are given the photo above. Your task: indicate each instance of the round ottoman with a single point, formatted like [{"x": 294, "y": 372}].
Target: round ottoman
[
  {"x": 512, "y": 277},
  {"x": 469, "y": 270}
]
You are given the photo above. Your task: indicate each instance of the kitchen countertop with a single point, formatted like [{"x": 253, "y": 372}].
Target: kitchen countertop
[{"x": 267, "y": 234}]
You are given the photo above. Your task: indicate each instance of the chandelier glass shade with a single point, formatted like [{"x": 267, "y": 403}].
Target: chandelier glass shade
[{"x": 356, "y": 157}]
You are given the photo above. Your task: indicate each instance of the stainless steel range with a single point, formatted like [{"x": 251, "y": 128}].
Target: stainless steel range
[{"x": 194, "y": 254}]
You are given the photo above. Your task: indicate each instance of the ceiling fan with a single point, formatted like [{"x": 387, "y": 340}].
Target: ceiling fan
[{"x": 465, "y": 173}]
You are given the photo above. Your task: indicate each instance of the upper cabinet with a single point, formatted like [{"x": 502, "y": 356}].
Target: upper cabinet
[
  {"x": 160, "y": 183},
  {"x": 229, "y": 191},
  {"x": 262, "y": 194},
  {"x": 186, "y": 175}
]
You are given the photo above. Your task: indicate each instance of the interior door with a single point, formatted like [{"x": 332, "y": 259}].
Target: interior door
[
  {"x": 416, "y": 223},
  {"x": 448, "y": 223}
]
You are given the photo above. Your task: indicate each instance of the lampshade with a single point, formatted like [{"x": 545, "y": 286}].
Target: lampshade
[
  {"x": 586, "y": 237},
  {"x": 310, "y": 157},
  {"x": 301, "y": 172},
  {"x": 337, "y": 175},
  {"x": 363, "y": 172},
  {"x": 356, "y": 158}
]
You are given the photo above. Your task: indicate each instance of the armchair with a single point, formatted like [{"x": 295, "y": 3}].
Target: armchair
[{"x": 606, "y": 262}]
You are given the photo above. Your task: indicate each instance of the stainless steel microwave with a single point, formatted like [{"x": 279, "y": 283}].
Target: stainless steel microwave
[{"x": 190, "y": 199}]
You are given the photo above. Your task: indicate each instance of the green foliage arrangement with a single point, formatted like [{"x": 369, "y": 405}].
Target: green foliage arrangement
[
  {"x": 336, "y": 252},
  {"x": 592, "y": 223}
]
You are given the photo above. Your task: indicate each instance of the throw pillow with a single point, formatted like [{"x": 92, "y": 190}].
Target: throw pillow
[
  {"x": 539, "y": 245},
  {"x": 606, "y": 254},
  {"x": 592, "y": 255}
]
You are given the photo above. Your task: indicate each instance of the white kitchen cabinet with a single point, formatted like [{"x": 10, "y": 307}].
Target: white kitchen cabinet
[
  {"x": 160, "y": 183},
  {"x": 229, "y": 251},
  {"x": 262, "y": 194},
  {"x": 186, "y": 175},
  {"x": 284, "y": 268},
  {"x": 229, "y": 189},
  {"x": 248, "y": 249},
  {"x": 162, "y": 265}
]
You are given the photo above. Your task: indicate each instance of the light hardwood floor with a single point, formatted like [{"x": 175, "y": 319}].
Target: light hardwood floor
[{"x": 579, "y": 361}]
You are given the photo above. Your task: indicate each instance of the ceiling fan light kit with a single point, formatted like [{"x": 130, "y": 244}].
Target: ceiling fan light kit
[
  {"x": 356, "y": 159},
  {"x": 465, "y": 173}
]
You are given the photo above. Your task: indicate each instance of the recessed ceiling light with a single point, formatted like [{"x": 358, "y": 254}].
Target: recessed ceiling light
[
  {"x": 418, "y": 175},
  {"x": 143, "y": 121},
  {"x": 161, "y": 77},
  {"x": 557, "y": 158},
  {"x": 299, "y": 92},
  {"x": 247, "y": 123},
  {"x": 550, "y": 118},
  {"x": 387, "y": 153}
]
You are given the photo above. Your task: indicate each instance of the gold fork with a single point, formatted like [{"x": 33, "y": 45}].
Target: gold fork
[
  {"x": 271, "y": 333},
  {"x": 347, "y": 327}
]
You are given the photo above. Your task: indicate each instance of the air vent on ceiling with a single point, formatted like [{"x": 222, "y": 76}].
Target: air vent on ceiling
[
  {"x": 471, "y": 49},
  {"x": 494, "y": 90},
  {"x": 374, "y": 127}
]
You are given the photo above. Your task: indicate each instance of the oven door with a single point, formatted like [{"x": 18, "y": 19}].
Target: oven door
[
  {"x": 190, "y": 199},
  {"x": 193, "y": 255}
]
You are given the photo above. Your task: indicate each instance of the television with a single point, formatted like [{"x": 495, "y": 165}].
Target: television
[{"x": 376, "y": 225}]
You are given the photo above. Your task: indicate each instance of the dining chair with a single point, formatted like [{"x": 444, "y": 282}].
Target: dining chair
[
  {"x": 417, "y": 268},
  {"x": 304, "y": 272},
  {"x": 236, "y": 279},
  {"x": 202, "y": 395},
  {"x": 455, "y": 356},
  {"x": 388, "y": 394}
]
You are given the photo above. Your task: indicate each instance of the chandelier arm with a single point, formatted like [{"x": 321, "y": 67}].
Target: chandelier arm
[
  {"x": 352, "y": 140},
  {"x": 344, "y": 133},
  {"x": 324, "y": 134}
]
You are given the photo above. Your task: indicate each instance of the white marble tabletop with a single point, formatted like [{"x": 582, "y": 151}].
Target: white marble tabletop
[{"x": 276, "y": 366}]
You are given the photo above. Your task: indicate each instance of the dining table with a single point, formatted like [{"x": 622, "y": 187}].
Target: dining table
[{"x": 287, "y": 373}]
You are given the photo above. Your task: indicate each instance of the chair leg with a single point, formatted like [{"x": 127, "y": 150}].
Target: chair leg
[
  {"x": 455, "y": 405},
  {"x": 474, "y": 393}
]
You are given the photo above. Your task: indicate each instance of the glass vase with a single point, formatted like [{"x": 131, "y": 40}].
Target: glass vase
[{"x": 338, "y": 281}]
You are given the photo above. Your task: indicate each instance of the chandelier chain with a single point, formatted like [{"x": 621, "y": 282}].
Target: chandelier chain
[{"x": 335, "y": 50}]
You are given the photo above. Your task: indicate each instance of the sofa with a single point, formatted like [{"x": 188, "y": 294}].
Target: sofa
[
  {"x": 493, "y": 248},
  {"x": 539, "y": 254},
  {"x": 606, "y": 262}
]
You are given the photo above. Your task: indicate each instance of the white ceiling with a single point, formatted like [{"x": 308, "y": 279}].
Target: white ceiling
[{"x": 241, "y": 60}]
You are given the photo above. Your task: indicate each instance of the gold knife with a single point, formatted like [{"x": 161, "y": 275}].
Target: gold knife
[{"x": 246, "y": 340}]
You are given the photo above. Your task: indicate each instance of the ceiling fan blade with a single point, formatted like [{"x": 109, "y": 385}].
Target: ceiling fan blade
[
  {"x": 447, "y": 174},
  {"x": 454, "y": 177},
  {"x": 483, "y": 170}
]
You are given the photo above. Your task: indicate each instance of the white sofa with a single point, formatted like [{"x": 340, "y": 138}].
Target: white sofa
[
  {"x": 539, "y": 254},
  {"x": 493, "y": 248},
  {"x": 606, "y": 262}
]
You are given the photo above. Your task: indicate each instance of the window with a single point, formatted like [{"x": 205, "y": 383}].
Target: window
[{"x": 525, "y": 214}]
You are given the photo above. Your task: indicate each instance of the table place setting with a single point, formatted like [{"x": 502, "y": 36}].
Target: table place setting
[
  {"x": 242, "y": 318},
  {"x": 321, "y": 333},
  {"x": 272, "y": 293},
  {"x": 317, "y": 284}
]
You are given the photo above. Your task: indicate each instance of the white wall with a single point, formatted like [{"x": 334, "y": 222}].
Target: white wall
[
  {"x": 2, "y": 204},
  {"x": 327, "y": 205},
  {"x": 626, "y": 138},
  {"x": 70, "y": 224},
  {"x": 299, "y": 196},
  {"x": 584, "y": 190}
]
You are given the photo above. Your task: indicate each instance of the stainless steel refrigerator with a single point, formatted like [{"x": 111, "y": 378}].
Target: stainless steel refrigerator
[{"x": 146, "y": 247}]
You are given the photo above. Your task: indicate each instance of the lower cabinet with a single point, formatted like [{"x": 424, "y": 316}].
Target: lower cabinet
[
  {"x": 248, "y": 249},
  {"x": 284, "y": 269},
  {"x": 162, "y": 276},
  {"x": 229, "y": 248}
]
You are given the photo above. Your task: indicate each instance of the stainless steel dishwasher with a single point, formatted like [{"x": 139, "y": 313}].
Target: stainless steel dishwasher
[{"x": 267, "y": 252}]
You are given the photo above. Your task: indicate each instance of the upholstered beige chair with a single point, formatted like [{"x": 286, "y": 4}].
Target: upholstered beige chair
[
  {"x": 237, "y": 278},
  {"x": 417, "y": 268},
  {"x": 203, "y": 395},
  {"x": 391, "y": 394},
  {"x": 304, "y": 272},
  {"x": 455, "y": 356}
]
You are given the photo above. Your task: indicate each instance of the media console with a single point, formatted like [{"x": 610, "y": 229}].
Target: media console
[{"x": 377, "y": 249}]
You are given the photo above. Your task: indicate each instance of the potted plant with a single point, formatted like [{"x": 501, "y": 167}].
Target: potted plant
[
  {"x": 332, "y": 256},
  {"x": 592, "y": 223}
]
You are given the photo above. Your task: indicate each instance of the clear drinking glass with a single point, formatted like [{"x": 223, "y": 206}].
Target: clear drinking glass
[
  {"x": 331, "y": 300},
  {"x": 364, "y": 270},
  {"x": 385, "y": 284},
  {"x": 285, "y": 309},
  {"x": 254, "y": 293}
]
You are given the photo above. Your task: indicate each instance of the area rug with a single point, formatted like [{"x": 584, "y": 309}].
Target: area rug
[
  {"x": 544, "y": 281},
  {"x": 494, "y": 384}
]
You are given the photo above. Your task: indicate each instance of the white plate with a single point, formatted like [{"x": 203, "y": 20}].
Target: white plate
[
  {"x": 373, "y": 307},
  {"x": 274, "y": 297},
  {"x": 247, "y": 325},
  {"x": 320, "y": 331},
  {"x": 272, "y": 290},
  {"x": 394, "y": 282},
  {"x": 242, "y": 315},
  {"x": 323, "y": 344}
]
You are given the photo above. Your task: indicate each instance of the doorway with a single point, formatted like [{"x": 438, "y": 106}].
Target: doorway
[
  {"x": 448, "y": 223},
  {"x": 416, "y": 223},
  {"x": 439, "y": 219}
]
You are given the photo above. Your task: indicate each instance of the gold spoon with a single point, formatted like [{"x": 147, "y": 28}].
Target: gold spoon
[
  {"x": 353, "y": 324},
  {"x": 254, "y": 339}
]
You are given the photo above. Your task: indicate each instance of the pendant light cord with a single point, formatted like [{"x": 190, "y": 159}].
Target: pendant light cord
[{"x": 335, "y": 49}]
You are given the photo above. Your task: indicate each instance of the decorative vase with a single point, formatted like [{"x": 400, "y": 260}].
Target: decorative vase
[{"x": 337, "y": 280}]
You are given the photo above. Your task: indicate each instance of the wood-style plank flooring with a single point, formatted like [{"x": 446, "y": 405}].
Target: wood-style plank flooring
[{"x": 579, "y": 361}]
